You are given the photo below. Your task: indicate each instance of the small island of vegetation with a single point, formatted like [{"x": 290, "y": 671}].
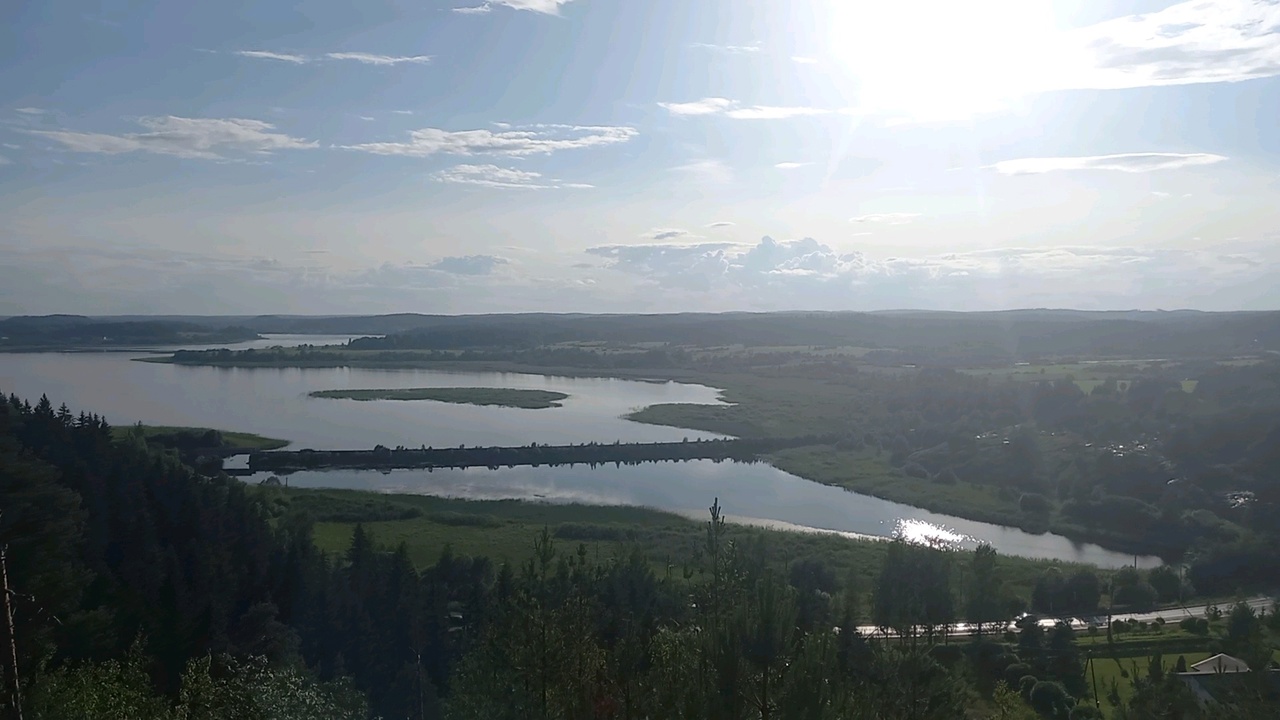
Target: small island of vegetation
[{"x": 504, "y": 397}]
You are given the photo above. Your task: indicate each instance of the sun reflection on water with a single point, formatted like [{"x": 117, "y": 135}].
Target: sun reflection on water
[{"x": 921, "y": 532}]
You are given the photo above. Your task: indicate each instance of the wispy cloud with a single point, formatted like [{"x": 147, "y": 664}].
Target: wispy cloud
[
  {"x": 705, "y": 106},
  {"x": 720, "y": 224},
  {"x": 667, "y": 234},
  {"x": 373, "y": 59},
  {"x": 706, "y": 171},
  {"x": 1198, "y": 41},
  {"x": 5, "y": 161},
  {"x": 359, "y": 57},
  {"x": 730, "y": 49},
  {"x": 499, "y": 177},
  {"x": 30, "y": 111},
  {"x": 804, "y": 60},
  {"x": 269, "y": 55},
  {"x": 522, "y": 142},
  {"x": 402, "y": 112},
  {"x": 732, "y": 109},
  {"x": 897, "y": 218},
  {"x": 546, "y": 7},
  {"x": 1125, "y": 162},
  {"x": 791, "y": 165},
  {"x": 202, "y": 138}
]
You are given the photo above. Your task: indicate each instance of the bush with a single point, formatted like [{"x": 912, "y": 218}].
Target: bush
[
  {"x": 1034, "y": 504},
  {"x": 1049, "y": 698},
  {"x": 1015, "y": 672}
]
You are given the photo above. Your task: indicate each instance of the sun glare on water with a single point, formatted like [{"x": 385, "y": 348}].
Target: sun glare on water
[
  {"x": 940, "y": 59},
  {"x": 919, "y": 532}
]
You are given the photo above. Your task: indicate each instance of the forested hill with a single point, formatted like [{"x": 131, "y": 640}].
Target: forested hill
[
  {"x": 145, "y": 591},
  {"x": 1006, "y": 336},
  {"x": 77, "y": 331}
]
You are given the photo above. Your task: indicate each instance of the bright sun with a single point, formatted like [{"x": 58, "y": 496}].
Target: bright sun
[{"x": 940, "y": 58}]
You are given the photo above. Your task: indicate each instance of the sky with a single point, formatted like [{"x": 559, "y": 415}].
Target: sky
[{"x": 462, "y": 156}]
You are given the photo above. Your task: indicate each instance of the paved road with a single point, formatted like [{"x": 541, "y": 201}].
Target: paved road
[{"x": 1080, "y": 624}]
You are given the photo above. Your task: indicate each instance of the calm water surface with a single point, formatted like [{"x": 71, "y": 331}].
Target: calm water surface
[
  {"x": 758, "y": 493},
  {"x": 274, "y": 402}
]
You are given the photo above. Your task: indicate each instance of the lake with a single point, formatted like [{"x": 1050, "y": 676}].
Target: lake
[{"x": 275, "y": 403}]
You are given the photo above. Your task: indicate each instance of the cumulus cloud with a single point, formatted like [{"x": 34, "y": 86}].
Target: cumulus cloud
[
  {"x": 1126, "y": 162},
  {"x": 898, "y": 218},
  {"x": 546, "y": 7},
  {"x": 733, "y": 109},
  {"x": 469, "y": 264},
  {"x": 520, "y": 142},
  {"x": 373, "y": 59},
  {"x": 269, "y": 55},
  {"x": 202, "y": 138},
  {"x": 500, "y": 177},
  {"x": 804, "y": 273}
]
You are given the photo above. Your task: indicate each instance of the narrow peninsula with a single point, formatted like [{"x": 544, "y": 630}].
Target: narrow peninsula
[{"x": 503, "y": 397}]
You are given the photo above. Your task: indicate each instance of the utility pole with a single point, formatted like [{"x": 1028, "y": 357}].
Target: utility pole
[
  {"x": 1097, "y": 703},
  {"x": 15, "y": 686}
]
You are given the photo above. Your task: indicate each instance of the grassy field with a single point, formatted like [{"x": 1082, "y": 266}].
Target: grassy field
[
  {"x": 1122, "y": 670},
  {"x": 503, "y": 397},
  {"x": 863, "y": 471},
  {"x": 505, "y": 530},
  {"x": 240, "y": 440}
]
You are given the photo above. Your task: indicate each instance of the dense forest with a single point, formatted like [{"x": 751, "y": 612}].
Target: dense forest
[
  {"x": 1022, "y": 335},
  {"x": 141, "y": 589},
  {"x": 78, "y": 331}
]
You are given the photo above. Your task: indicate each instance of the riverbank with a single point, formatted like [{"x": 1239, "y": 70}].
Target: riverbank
[
  {"x": 225, "y": 442},
  {"x": 504, "y": 530},
  {"x": 501, "y": 397}
]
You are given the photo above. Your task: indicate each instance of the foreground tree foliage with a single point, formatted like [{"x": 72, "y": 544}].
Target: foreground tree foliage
[{"x": 144, "y": 590}]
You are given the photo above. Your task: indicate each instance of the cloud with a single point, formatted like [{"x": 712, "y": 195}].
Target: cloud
[
  {"x": 521, "y": 142},
  {"x": 791, "y": 165},
  {"x": 705, "y": 106},
  {"x": 469, "y": 264},
  {"x": 402, "y": 112},
  {"x": 499, "y": 177},
  {"x": 732, "y": 109},
  {"x": 1199, "y": 41},
  {"x": 360, "y": 57},
  {"x": 372, "y": 59},
  {"x": 29, "y": 111},
  {"x": 546, "y": 7},
  {"x": 898, "y": 218},
  {"x": 666, "y": 234},
  {"x": 203, "y": 138},
  {"x": 804, "y": 60},
  {"x": 707, "y": 171},
  {"x": 5, "y": 161},
  {"x": 720, "y": 224},
  {"x": 1125, "y": 162},
  {"x": 804, "y": 273},
  {"x": 751, "y": 49},
  {"x": 268, "y": 55}
]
